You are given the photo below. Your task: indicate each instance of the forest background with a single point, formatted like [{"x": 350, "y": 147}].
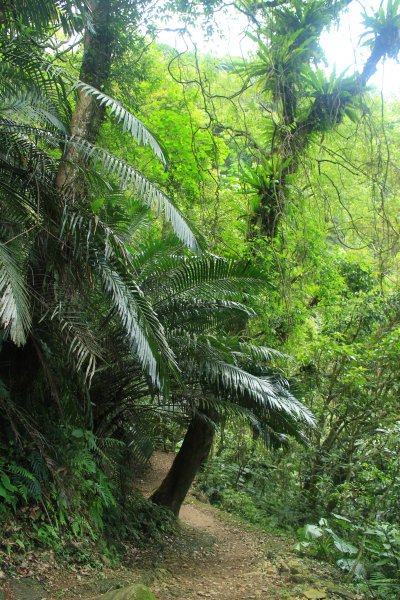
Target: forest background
[{"x": 199, "y": 254}]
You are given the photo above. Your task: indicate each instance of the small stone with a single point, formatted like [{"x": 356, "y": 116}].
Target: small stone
[
  {"x": 295, "y": 567},
  {"x": 283, "y": 568}
]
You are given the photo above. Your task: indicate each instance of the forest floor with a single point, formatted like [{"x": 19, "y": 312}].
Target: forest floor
[{"x": 213, "y": 556}]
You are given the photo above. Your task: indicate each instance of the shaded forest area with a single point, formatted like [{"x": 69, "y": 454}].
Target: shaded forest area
[{"x": 199, "y": 255}]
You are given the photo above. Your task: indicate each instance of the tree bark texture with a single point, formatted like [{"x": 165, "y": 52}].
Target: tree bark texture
[
  {"x": 95, "y": 70},
  {"x": 193, "y": 453}
]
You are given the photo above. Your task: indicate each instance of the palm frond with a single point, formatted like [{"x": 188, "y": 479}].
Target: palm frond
[
  {"x": 134, "y": 182},
  {"x": 203, "y": 277},
  {"x": 17, "y": 15},
  {"x": 18, "y": 152},
  {"x": 83, "y": 345},
  {"x": 148, "y": 256},
  {"x": 258, "y": 353},
  {"x": 143, "y": 330},
  {"x": 30, "y": 106},
  {"x": 14, "y": 297},
  {"x": 129, "y": 122},
  {"x": 19, "y": 208},
  {"x": 24, "y": 70},
  {"x": 49, "y": 80},
  {"x": 201, "y": 315},
  {"x": 263, "y": 391}
]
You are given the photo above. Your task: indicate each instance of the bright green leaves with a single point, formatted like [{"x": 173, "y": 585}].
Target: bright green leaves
[
  {"x": 322, "y": 541},
  {"x": 266, "y": 176},
  {"x": 385, "y": 27},
  {"x": 334, "y": 96}
]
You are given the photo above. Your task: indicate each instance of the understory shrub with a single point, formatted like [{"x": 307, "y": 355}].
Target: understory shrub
[
  {"x": 247, "y": 479},
  {"x": 71, "y": 499},
  {"x": 368, "y": 553}
]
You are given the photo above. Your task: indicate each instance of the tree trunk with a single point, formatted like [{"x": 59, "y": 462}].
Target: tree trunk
[
  {"x": 95, "y": 70},
  {"x": 325, "y": 114},
  {"x": 264, "y": 221},
  {"x": 193, "y": 453}
]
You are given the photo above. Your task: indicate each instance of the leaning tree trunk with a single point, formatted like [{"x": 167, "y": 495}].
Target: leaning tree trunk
[{"x": 193, "y": 453}]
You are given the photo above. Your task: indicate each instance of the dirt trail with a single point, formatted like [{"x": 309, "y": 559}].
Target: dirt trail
[
  {"x": 235, "y": 563},
  {"x": 192, "y": 515},
  {"x": 216, "y": 556}
]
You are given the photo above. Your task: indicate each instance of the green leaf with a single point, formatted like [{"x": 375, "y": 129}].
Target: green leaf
[
  {"x": 312, "y": 531},
  {"x": 14, "y": 304},
  {"x": 5, "y": 480},
  {"x": 343, "y": 546},
  {"x": 77, "y": 433}
]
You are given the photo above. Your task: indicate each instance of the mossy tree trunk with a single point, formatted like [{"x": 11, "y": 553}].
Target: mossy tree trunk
[
  {"x": 285, "y": 86},
  {"x": 95, "y": 70}
]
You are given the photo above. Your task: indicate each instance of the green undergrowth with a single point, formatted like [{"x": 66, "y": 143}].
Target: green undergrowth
[
  {"x": 243, "y": 480},
  {"x": 76, "y": 504}
]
